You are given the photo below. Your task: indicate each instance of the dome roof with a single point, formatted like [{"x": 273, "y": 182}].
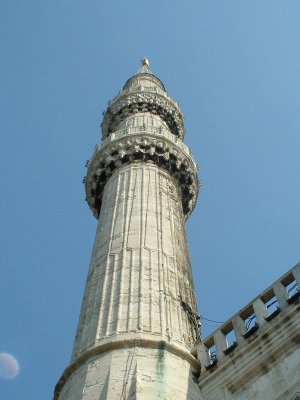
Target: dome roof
[{"x": 144, "y": 78}]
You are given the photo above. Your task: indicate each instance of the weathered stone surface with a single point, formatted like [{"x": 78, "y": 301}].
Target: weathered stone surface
[
  {"x": 265, "y": 363},
  {"x": 140, "y": 270},
  {"x": 134, "y": 373},
  {"x": 138, "y": 321}
]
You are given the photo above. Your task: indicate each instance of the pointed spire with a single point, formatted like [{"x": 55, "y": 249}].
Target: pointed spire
[{"x": 145, "y": 67}]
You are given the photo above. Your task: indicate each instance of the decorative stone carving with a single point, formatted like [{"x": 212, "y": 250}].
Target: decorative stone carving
[
  {"x": 132, "y": 103},
  {"x": 148, "y": 149}
]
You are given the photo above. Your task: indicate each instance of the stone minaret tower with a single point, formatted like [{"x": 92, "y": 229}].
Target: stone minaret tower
[{"x": 138, "y": 321}]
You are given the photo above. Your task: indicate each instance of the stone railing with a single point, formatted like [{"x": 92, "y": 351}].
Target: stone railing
[
  {"x": 234, "y": 333},
  {"x": 141, "y": 89},
  {"x": 152, "y": 131}
]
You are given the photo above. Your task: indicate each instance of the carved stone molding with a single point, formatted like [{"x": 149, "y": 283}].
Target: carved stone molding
[
  {"x": 147, "y": 149},
  {"x": 143, "y": 102}
]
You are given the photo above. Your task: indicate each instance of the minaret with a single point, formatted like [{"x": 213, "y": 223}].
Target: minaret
[{"x": 138, "y": 321}]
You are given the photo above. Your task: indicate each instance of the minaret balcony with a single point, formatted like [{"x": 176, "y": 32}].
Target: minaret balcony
[{"x": 166, "y": 151}]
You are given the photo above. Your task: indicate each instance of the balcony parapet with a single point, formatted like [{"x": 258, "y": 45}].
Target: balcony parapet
[
  {"x": 156, "y": 131},
  {"x": 250, "y": 321}
]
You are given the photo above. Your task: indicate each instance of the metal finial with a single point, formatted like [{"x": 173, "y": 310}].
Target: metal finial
[
  {"x": 145, "y": 61},
  {"x": 145, "y": 66}
]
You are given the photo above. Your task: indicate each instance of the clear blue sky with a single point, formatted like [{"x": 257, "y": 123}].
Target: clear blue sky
[{"x": 234, "y": 67}]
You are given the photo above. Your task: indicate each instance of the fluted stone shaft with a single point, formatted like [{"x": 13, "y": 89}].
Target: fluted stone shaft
[
  {"x": 138, "y": 320},
  {"x": 140, "y": 270}
]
